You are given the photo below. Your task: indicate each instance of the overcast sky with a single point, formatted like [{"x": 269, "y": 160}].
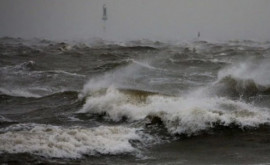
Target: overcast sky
[{"x": 136, "y": 19}]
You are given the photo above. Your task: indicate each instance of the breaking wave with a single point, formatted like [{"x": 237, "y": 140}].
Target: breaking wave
[
  {"x": 186, "y": 113},
  {"x": 246, "y": 79},
  {"x": 60, "y": 142},
  {"x": 180, "y": 115},
  {"x": 257, "y": 70}
]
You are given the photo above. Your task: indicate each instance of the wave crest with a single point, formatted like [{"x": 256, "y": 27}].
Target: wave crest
[
  {"x": 245, "y": 79},
  {"x": 180, "y": 115},
  {"x": 241, "y": 88}
]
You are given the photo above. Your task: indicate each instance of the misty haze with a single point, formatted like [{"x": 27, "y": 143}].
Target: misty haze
[
  {"x": 136, "y": 19},
  {"x": 127, "y": 82}
]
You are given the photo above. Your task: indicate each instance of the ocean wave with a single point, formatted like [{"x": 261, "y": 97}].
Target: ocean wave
[
  {"x": 59, "y": 142},
  {"x": 180, "y": 115},
  {"x": 22, "y": 80},
  {"x": 234, "y": 87},
  {"x": 19, "y": 67},
  {"x": 118, "y": 46},
  {"x": 257, "y": 70},
  {"x": 60, "y": 72},
  {"x": 19, "y": 93},
  {"x": 199, "y": 62},
  {"x": 146, "y": 65},
  {"x": 247, "y": 78},
  {"x": 5, "y": 120},
  {"x": 27, "y": 68},
  {"x": 27, "y": 93}
]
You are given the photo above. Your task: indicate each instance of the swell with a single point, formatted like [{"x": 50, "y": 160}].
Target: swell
[
  {"x": 53, "y": 109},
  {"x": 198, "y": 62},
  {"x": 20, "y": 47},
  {"x": 129, "y": 48},
  {"x": 23, "y": 80},
  {"x": 31, "y": 66}
]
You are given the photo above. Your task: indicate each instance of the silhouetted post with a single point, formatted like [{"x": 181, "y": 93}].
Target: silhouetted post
[{"x": 104, "y": 17}]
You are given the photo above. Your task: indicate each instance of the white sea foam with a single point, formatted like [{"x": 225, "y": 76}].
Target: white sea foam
[
  {"x": 59, "y": 142},
  {"x": 188, "y": 114}
]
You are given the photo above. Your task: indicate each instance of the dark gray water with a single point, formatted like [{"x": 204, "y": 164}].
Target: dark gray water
[{"x": 138, "y": 102}]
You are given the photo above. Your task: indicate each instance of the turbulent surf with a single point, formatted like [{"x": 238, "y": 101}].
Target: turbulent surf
[{"x": 139, "y": 102}]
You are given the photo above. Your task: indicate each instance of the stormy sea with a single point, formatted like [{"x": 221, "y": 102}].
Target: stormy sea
[{"x": 137, "y": 102}]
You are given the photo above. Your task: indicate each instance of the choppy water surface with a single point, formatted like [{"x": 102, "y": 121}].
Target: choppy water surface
[{"x": 138, "y": 102}]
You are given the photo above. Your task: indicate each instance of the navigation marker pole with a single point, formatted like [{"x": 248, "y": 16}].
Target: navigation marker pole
[{"x": 104, "y": 18}]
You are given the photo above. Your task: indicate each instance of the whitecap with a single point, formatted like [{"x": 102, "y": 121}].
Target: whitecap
[{"x": 60, "y": 142}]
